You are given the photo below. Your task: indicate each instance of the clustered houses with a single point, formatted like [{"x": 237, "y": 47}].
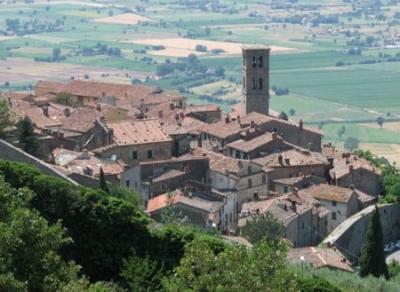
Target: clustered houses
[{"x": 217, "y": 170}]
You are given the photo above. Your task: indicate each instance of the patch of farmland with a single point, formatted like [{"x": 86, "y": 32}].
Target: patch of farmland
[
  {"x": 125, "y": 18},
  {"x": 189, "y": 46},
  {"x": 390, "y": 151}
]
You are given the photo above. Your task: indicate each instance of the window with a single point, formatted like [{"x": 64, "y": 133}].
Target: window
[
  {"x": 333, "y": 215},
  {"x": 127, "y": 183},
  {"x": 249, "y": 183},
  {"x": 134, "y": 155},
  {"x": 260, "y": 83},
  {"x": 285, "y": 189},
  {"x": 264, "y": 179},
  {"x": 254, "y": 84},
  {"x": 149, "y": 153},
  {"x": 230, "y": 152},
  {"x": 244, "y": 82},
  {"x": 333, "y": 203},
  {"x": 260, "y": 61},
  {"x": 254, "y": 61},
  {"x": 163, "y": 187}
]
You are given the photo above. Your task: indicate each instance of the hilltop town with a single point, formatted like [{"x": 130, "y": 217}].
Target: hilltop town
[{"x": 218, "y": 169}]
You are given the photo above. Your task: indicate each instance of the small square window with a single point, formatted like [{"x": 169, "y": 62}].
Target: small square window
[
  {"x": 134, "y": 155},
  {"x": 333, "y": 203},
  {"x": 149, "y": 153},
  {"x": 333, "y": 215}
]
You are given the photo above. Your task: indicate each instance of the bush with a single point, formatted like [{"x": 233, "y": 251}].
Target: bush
[{"x": 201, "y": 48}]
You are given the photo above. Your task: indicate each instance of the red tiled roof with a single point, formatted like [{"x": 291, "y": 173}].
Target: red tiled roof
[
  {"x": 164, "y": 200},
  {"x": 252, "y": 144},
  {"x": 138, "y": 132},
  {"x": 329, "y": 193},
  {"x": 221, "y": 163},
  {"x": 319, "y": 258},
  {"x": 295, "y": 158}
]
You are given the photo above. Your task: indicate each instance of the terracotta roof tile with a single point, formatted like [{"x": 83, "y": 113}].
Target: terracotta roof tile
[
  {"x": 162, "y": 201},
  {"x": 320, "y": 258},
  {"x": 295, "y": 158},
  {"x": 138, "y": 132},
  {"x": 329, "y": 193},
  {"x": 164, "y": 176},
  {"x": 252, "y": 144},
  {"x": 220, "y": 163}
]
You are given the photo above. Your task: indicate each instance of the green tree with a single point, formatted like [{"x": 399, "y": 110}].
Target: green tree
[
  {"x": 351, "y": 143},
  {"x": 236, "y": 268},
  {"x": 56, "y": 53},
  {"x": 26, "y": 136},
  {"x": 102, "y": 182},
  {"x": 372, "y": 259},
  {"x": 380, "y": 121},
  {"x": 292, "y": 111},
  {"x": 263, "y": 227},
  {"x": 316, "y": 284},
  {"x": 164, "y": 69},
  {"x": 64, "y": 98},
  {"x": 6, "y": 115},
  {"x": 29, "y": 246}
]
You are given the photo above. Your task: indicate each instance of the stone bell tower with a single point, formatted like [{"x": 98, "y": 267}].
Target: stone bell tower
[{"x": 255, "y": 83}]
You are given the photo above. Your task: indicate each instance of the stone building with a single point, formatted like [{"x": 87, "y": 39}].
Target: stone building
[{"x": 255, "y": 74}]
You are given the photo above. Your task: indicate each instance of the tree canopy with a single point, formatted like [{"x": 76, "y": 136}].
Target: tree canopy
[
  {"x": 26, "y": 137},
  {"x": 5, "y": 115},
  {"x": 263, "y": 227},
  {"x": 351, "y": 143},
  {"x": 372, "y": 259}
]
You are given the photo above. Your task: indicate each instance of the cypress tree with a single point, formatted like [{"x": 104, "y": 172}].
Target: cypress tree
[
  {"x": 27, "y": 140},
  {"x": 372, "y": 259},
  {"x": 103, "y": 183}
]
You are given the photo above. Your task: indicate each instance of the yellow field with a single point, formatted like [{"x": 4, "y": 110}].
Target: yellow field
[
  {"x": 126, "y": 18},
  {"x": 180, "y": 47}
]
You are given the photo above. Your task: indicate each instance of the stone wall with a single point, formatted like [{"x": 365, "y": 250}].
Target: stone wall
[
  {"x": 11, "y": 153},
  {"x": 349, "y": 236}
]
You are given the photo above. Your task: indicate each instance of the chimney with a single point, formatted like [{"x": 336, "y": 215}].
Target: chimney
[
  {"x": 110, "y": 132},
  {"x": 89, "y": 171},
  {"x": 351, "y": 168},
  {"x": 287, "y": 161},
  {"x": 240, "y": 164},
  {"x": 45, "y": 111},
  {"x": 252, "y": 124},
  {"x": 171, "y": 106},
  {"x": 199, "y": 142},
  {"x": 67, "y": 112},
  {"x": 280, "y": 159},
  {"x": 225, "y": 151},
  {"x": 98, "y": 107},
  {"x": 103, "y": 94},
  {"x": 301, "y": 124},
  {"x": 294, "y": 206},
  {"x": 227, "y": 119},
  {"x": 238, "y": 119},
  {"x": 182, "y": 115},
  {"x": 176, "y": 116},
  {"x": 160, "y": 114},
  {"x": 295, "y": 191},
  {"x": 61, "y": 135}
]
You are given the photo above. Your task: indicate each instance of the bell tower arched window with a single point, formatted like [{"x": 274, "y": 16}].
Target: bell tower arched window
[{"x": 260, "y": 62}]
